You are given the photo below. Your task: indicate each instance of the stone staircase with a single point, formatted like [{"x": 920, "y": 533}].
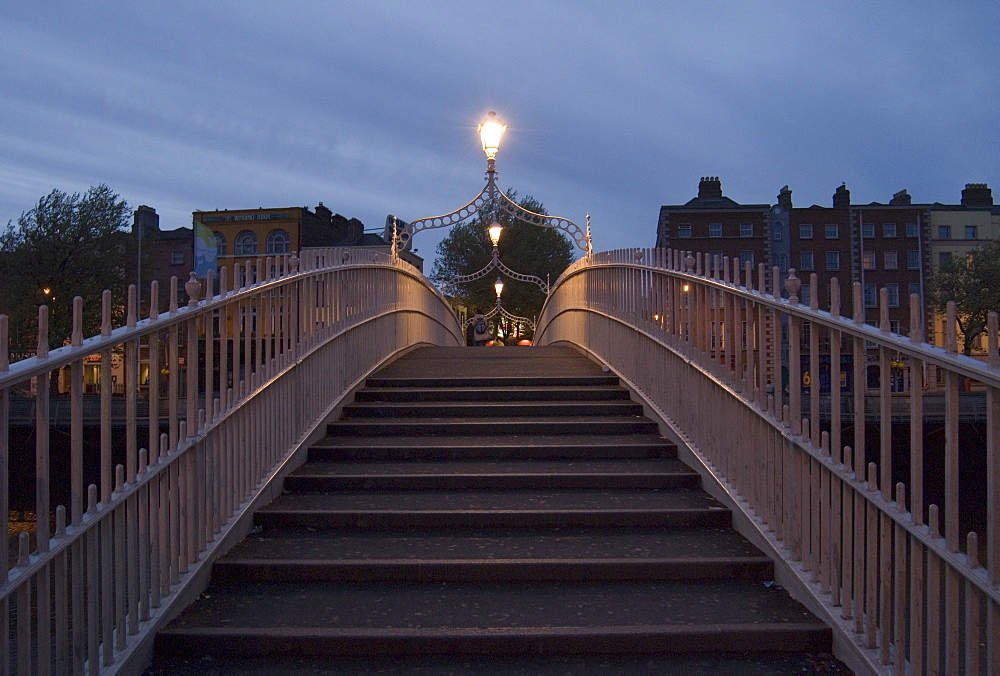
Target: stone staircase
[{"x": 484, "y": 510}]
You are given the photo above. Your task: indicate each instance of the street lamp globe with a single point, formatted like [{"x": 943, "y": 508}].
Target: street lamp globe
[
  {"x": 495, "y": 229},
  {"x": 498, "y": 285},
  {"x": 490, "y": 131}
]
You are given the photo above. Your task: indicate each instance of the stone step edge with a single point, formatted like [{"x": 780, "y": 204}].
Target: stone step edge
[
  {"x": 233, "y": 570},
  {"x": 668, "y": 639}
]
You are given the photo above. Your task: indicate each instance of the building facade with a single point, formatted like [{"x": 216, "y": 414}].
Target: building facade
[{"x": 893, "y": 247}]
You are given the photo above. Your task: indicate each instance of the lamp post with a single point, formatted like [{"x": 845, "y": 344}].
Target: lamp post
[{"x": 490, "y": 132}]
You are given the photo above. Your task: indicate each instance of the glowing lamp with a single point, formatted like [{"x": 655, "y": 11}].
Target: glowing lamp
[
  {"x": 490, "y": 131},
  {"x": 495, "y": 231},
  {"x": 498, "y": 285}
]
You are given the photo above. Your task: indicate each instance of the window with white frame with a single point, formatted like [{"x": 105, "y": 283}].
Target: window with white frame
[
  {"x": 912, "y": 259},
  {"x": 970, "y": 232},
  {"x": 888, "y": 230},
  {"x": 832, "y": 231},
  {"x": 894, "y": 326},
  {"x": 220, "y": 243},
  {"x": 944, "y": 232},
  {"x": 871, "y": 297},
  {"x": 868, "y": 230},
  {"x": 746, "y": 229},
  {"x": 805, "y": 231},
  {"x": 278, "y": 242},
  {"x": 868, "y": 260},
  {"x": 805, "y": 294},
  {"x": 806, "y": 260},
  {"x": 715, "y": 229},
  {"x": 684, "y": 230},
  {"x": 746, "y": 257},
  {"x": 246, "y": 243},
  {"x": 914, "y": 289},
  {"x": 893, "y": 293},
  {"x": 890, "y": 260},
  {"x": 176, "y": 257},
  {"x": 912, "y": 230},
  {"x": 832, "y": 260}
]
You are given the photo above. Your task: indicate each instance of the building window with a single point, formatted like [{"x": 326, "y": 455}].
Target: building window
[
  {"x": 832, "y": 231},
  {"x": 870, "y": 295},
  {"x": 868, "y": 230},
  {"x": 891, "y": 260},
  {"x": 684, "y": 230},
  {"x": 776, "y": 230},
  {"x": 176, "y": 257},
  {"x": 912, "y": 259},
  {"x": 278, "y": 242},
  {"x": 781, "y": 261},
  {"x": 914, "y": 289},
  {"x": 912, "y": 230},
  {"x": 894, "y": 326},
  {"x": 868, "y": 260},
  {"x": 888, "y": 230},
  {"x": 944, "y": 258},
  {"x": 715, "y": 229},
  {"x": 944, "y": 232},
  {"x": 832, "y": 260},
  {"x": 746, "y": 229},
  {"x": 805, "y": 231},
  {"x": 805, "y": 260},
  {"x": 806, "y": 299},
  {"x": 893, "y": 293},
  {"x": 246, "y": 244},
  {"x": 220, "y": 244},
  {"x": 970, "y": 232},
  {"x": 746, "y": 257}
]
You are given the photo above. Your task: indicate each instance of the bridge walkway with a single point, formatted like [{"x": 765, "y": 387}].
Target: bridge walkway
[{"x": 494, "y": 511}]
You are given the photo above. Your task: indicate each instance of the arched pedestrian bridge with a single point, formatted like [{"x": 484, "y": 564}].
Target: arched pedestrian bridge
[{"x": 665, "y": 482}]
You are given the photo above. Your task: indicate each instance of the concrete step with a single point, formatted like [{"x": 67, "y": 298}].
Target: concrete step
[
  {"x": 402, "y": 510},
  {"x": 473, "y": 394},
  {"x": 341, "y": 448},
  {"x": 495, "y": 409},
  {"x": 494, "y": 556},
  {"x": 746, "y": 663},
  {"x": 380, "y": 618},
  {"x": 488, "y": 429},
  {"x": 499, "y": 381},
  {"x": 507, "y": 475}
]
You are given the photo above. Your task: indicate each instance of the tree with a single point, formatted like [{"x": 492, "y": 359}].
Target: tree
[
  {"x": 524, "y": 248},
  {"x": 973, "y": 282},
  {"x": 66, "y": 246}
]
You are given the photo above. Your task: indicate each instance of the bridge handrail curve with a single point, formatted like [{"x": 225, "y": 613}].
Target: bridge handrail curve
[
  {"x": 291, "y": 322},
  {"x": 628, "y": 309}
]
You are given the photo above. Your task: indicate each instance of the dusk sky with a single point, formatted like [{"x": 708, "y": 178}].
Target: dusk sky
[{"x": 613, "y": 108}]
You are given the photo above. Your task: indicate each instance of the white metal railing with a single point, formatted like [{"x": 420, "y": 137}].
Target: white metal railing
[
  {"x": 132, "y": 492},
  {"x": 892, "y": 528}
]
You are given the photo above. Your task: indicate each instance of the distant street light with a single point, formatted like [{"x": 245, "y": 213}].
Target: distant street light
[{"x": 498, "y": 285}]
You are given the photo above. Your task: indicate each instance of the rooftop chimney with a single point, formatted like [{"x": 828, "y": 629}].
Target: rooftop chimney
[
  {"x": 785, "y": 199},
  {"x": 977, "y": 195},
  {"x": 900, "y": 198},
  {"x": 710, "y": 187},
  {"x": 146, "y": 219},
  {"x": 842, "y": 198},
  {"x": 324, "y": 212}
]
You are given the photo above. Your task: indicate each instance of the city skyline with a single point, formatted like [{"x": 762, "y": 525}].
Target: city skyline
[{"x": 372, "y": 109}]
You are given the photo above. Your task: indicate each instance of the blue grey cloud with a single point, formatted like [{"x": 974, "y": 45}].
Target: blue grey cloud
[{"x": 613, "y": 109}]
